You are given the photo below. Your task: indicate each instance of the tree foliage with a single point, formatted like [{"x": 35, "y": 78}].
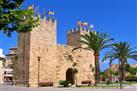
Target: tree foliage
[
  {"x": 13, "y": 18},
  {"x": 96, "y": 41},
  {"x": 131, "y": 70},
  {"x": 121, "y": 51}
]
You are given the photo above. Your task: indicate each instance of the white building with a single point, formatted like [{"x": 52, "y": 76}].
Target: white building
[
  {"x": 8, "y": 65},
  {"x": 2, "y": 59}
]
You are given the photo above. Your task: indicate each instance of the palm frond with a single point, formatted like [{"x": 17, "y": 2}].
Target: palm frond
[
  {"x": 96, "y": 40},
  {"x": 121, "y": 51},
  {"x": 86, "y": 48}
]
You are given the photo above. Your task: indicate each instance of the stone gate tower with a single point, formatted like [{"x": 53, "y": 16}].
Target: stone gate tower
[
  {"x": 40, "y": 59},
  {"x": 40, "y": 43},
  {"x": 74, "y": 35},
  {"x": 83, "y": 58}
]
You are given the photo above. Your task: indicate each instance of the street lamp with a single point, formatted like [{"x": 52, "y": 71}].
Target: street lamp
[{"x": 38, "y": 68}]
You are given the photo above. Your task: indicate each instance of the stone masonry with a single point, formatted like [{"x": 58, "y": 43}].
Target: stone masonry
[{"x": 54, "y": 58}]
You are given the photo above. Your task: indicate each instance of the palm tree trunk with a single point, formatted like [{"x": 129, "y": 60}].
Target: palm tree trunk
[
  {"x": 122, "y": 69},
  {"x": 97, "y": 69},
  {"x": 121, "y": 73}
]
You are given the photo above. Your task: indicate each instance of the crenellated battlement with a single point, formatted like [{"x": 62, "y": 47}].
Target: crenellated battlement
[
  {"x": 81, "y": 27},
  {"x": 72, "y": 31},
  {"x": 74, "y": 35},
  {"x": 78, "y": 30},
  {"x": 47, "y": 19},
  {"x": 49, "y": 22}
]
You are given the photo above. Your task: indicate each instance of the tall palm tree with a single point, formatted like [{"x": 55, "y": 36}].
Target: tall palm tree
[
  {"x": 95, "y": 41},
  {"x": 121, "y": 51}
]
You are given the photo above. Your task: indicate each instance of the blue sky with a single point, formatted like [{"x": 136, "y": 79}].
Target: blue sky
[{"x": 116, "y": 17}]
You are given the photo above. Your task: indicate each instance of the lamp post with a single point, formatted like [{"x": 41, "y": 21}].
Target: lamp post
[{"x": 38, "y": 68}]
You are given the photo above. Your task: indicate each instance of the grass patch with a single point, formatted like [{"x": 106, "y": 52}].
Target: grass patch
[
  {"x": 100, "y": 86},
  {"x": 124, "y": 83},
  {"x": 130, "y": 83},
  {"x": 112, "y": 85}
]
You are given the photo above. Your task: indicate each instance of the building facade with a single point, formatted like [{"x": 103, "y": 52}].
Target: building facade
[
  {"x": 9, "y": 64},
  {"x": 2, "y": 59},
  {"x": 41, "y": 59}
]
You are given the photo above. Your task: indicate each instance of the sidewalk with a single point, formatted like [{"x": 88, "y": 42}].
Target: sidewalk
[{"x": 16, "y": 88}]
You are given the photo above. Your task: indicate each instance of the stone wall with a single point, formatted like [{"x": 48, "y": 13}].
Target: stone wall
[
  {"x": 43, "y": 44},
  {"x": 21, "y": 63},
  {"x": 40, "y": 42},
  {"x": 74, "y": 36},
  {"x": 83, "y": 58}
]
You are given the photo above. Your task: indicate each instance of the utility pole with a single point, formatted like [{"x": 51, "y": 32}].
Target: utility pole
[{"x": 38, "y": 69}]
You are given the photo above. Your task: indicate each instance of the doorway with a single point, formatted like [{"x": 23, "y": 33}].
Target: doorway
[{"x": 70, "y": 75}]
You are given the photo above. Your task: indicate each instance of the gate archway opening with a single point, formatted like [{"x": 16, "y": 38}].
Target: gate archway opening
[{"x": 70, "y": 75}]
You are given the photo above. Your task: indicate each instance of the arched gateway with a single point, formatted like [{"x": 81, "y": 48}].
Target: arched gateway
[{"x": 70, "y": 75}]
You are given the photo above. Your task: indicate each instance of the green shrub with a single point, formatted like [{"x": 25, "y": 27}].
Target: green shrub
[
  {"x": 131, "y": 75},
  {"x": 108, "y": 82},
  {"x": 64, "y": 83}
]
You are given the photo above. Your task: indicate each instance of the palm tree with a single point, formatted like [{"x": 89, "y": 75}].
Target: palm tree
[
  {"x": 95, "y": 41},
  {"x": 121, "y": 51}
]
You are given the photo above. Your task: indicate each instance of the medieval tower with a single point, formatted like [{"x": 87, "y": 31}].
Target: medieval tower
[
  {"x": 74, "y": 35},
  {"x": 41, "y": 59}
]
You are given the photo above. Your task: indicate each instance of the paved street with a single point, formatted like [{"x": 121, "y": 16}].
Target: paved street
[{"x": 15, "y": 88}]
